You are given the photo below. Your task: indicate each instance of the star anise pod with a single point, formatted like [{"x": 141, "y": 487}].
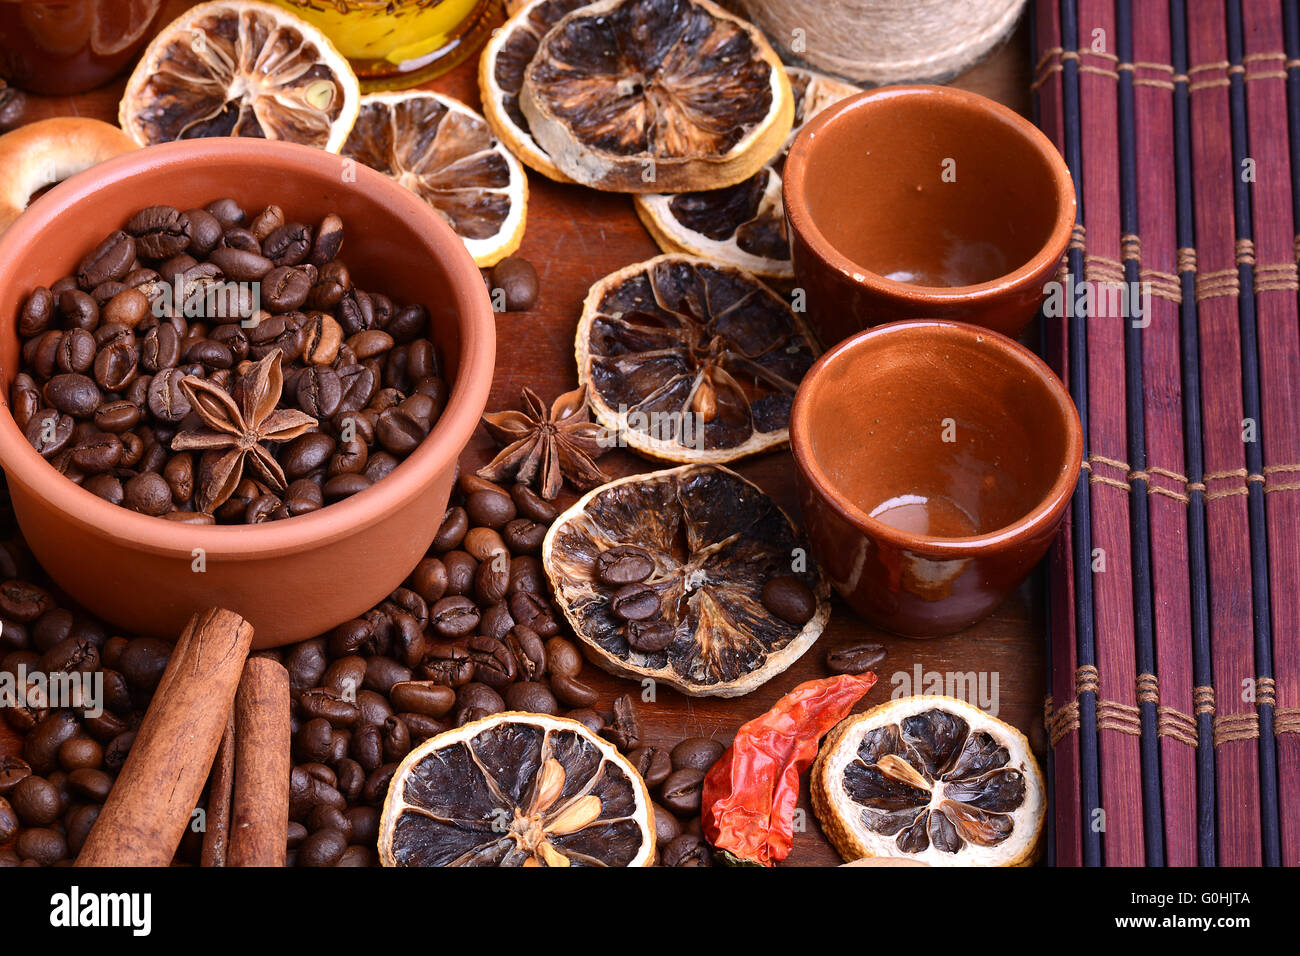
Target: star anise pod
[
  {"x": 553, "y": 446},
  {"x": 240, "y": 428}
]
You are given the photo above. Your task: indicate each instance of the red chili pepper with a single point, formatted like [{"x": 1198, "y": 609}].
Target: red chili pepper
[{"x": 750, "y": 793}]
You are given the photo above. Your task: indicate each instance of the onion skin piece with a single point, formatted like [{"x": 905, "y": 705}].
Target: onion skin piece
[{"x": 750, "y": 794}]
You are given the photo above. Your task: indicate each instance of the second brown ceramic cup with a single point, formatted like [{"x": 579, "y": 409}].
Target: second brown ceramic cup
[
  {"x": 935, "y": 461},
  {"x": 924, "y": 202}
]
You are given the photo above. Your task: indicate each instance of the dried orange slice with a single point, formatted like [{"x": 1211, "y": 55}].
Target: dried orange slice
[
  {"x": 241, "y": 68},
  {"x": 711, "y": 541},
  {"x": 931, "y": 779},
  {"x": 120, "y": 23},
  {"x": 446, "y": 154},
  {"x": 742, "y": 225},
  {"x": 690, "y": 360},
  {"x": 656, "y": 96},
  {"x": 517, "y": 789},
  {"x": 501, "y": 76}
]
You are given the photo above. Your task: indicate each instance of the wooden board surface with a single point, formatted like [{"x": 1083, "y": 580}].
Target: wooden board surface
[{"x": 575, "y": 236}]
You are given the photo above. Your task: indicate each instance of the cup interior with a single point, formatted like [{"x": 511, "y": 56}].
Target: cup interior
[
  {"x": 937, "y": 429},
  {"x": 923, "y": 186}
]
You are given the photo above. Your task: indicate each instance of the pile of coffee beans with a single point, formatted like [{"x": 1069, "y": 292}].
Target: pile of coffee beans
[
  {"x": 207, "y": 293},
  {"x": 676, "y": 781}
]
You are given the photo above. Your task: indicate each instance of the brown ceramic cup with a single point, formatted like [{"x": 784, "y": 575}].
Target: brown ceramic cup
[
  {"x": 921, "y": 202},
  {"x": 935, "y": 461},
  {"x": 294, "y": 578}
]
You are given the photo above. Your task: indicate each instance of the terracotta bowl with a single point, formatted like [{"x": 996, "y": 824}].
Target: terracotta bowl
[
  {"x": 921, "y": 202},
  {"x": 935, "y": 461},
  {"x": 293, "y": 578}
]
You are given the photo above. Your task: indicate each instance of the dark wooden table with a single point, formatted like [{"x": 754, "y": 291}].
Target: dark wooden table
[{"x": 575, "y": 236}]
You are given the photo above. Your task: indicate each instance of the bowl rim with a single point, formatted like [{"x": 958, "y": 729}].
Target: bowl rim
[
  {"x": 439, "y": 450},
  {"x": 801, "y": 221},
  {"x": 1042, "y": 516}
]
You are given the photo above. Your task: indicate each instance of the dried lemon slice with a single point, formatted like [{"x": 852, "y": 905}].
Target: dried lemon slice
[
  {"x": 932, "y": 779},
  {"x": 501, "y": 76},
  {"x": 241, "y": 68},
  {"x": 714, "y": 540},
  {"x": 691, "y": 360},
  {"x": 742, "y": 225},
  {"x": 517, "y": 789},
  {"x": 446, "y": 154},
  {"x": 656, "y": 96}
]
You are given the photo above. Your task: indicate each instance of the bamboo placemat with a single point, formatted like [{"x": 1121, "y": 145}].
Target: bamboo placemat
[{"x": 1175, "y": 604}]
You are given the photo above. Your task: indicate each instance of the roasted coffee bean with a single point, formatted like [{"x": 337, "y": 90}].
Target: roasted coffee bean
[
  {"x": 116, "y": 367},
  {"x": 306, "y": 454},
  {"x": 167, "y": 401},
  {"x": 531, "y": 697},
  {"x": 128, "y": 307},
  {"x": 789, "y": 599},
  {"x": 97, "y": 454},
  {"x": 160, "y": 232},
  {"x": 321, "y": 339},
  {"x": 572, "y": 692},
  {"x": 624, "y": 564},
  {"x": 209, "y": 353},
  {"x": 423, "y": 697},
  {"x": 686, "y": 850},
  {"x": 306, "y": 664},
  {"x": 562, "y": 657},
  {"x": 533, "y": 611},
  {"x": 116, "y": 750},
  {"x": 452, "y": 531},
  {"x": 481, "y": 697},
  {"x": 116, "y": 417},
  {"x": 344, "y": 486},
  {"x": 490, "y": 509},
  {"x": 36, "y": 801},
  {"x": 73, "y": 394},
  {"x": 667, "y": 828},
  {"x": 532, "y": 506},
  {"x": 696, "y": 753},
  {"x": 334, "y": 707},
  {"x": 528, "y": 651},
  {"x": 48, "y": 431},
  {"x": 383, "y": 672},
  {"x": 76, "y": 351},
  {"x": 37, "y": 313},
  {"x": 652, "y": 763},
  {"x": 398, "y": 432},
  {"x": 227, "y": 212},
  {"x": 649, "y": 637},
  {"x": 205, "y": 232},
  {"x": 854, "y": 658},
  {"x": 379, "y": 466},
  {"x": 526, "y": 574},
  {"x": 319, "y": 391},
  {"x": 589, "y": 718},
  {"x": 345, "y": 676},
  {"x": 72, "y": 655},
  {"x": 161, "y": 349},
  {"x": 492, "y": 579},
  {"x": 494, "y": 665},
  {"x": 408, "y": 324},
  {"x": 148, "y": 494},
  {"x": 24, "y": 399},
  {"x": 313, "y": 740},
  {"x": 143, "y": 661},
  {"x": 21, "y": 601},
  {"x": 288, "y": 245},
  {"x": 109, "y": 261},
  {"x": 454, "y": 616},
  {"x": 518, "y": 283},
  {"x": 90, "y": 784},
  {"x": 448, "y": 663},
  {"x": 8, "y": 821},
  {"x": 681, "y": 791},
  {"x": 524, "y": 536},
  {"x": 376, "y": 788},
  {"x": 42, "y": 845},
  {"x": 80, "y": 310},
  {"x": 429, "y": 579},
  {"x": 41, "y": 746},
  {"x": 624, "y": 729},
  {"x": 12, "y": 770},
  {"x": 396, "y": 738},
  {"x": 322, "y": 848},
  {"x": 634, "y": 602}
]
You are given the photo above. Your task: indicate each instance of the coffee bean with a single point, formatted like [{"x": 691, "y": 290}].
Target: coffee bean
[
  {"x": 398, "y": 432},
  {"x": 789, "y": 599},
  {"x": 447, "y": 663},
  {"x": 533, "y": 611},
  {"x": 21, "y": 601},
  {"x": 649, "y": 637},
  {"x": 37, "y": 313},
  {"x": 481, "y": 697},
  {"x": 36, "y": 801},
  {"x": 494, "y": 664},
  {"x": 531, "y": 697},
  {"x": 73, "y": 394},
  {"x": 81, "y": 753},
  {"x": 528, "y": 651},
  {"x": 634, "y": 602},
  {"x": 652, "y": 763},
  {"x": 148, "y": 494},
  {"x": 322, "y": 848},
  {"x": 681, "y": 791},
  {"x": 562, "y": 657},
  {"x": 41, "y": 746},
  {"x": 526, "y": 574},
  {"x": 109, "y": 261},
  {"x": 451, "y": 533},
  {"x": 696, "y": 753},
  {"x": 667, "y": 828},
  {"x": 517, "y": 280},
  {"x": 490, "y": 509},
  {"x": 524, "y": 536},
  {"x": 623, "y": 565},
  {"x": 454, "y": 616},
  {"x": 624, "y": 730},
  {"x": 854, "y": 658},
  {"x": 167, "y": 401},
  {"x": 532, "y": 505},
  {"x": 288, "y": 245},
  {"x": 76, "y": 351},
  {"x": 423, "y": 697},
  {"x": 686, "y": 850},
  {"x": 42, "y": 845},
  {"x": 128, "y": 307},
  {"x": 143, "y": 661},
  {"x": 429, "y": 579},
  {"x": 8, "y": 821},
  {"x": 90, "y": 784},
  {"x": 12, "y": 770},
  {"x": 571, "y": 691}
]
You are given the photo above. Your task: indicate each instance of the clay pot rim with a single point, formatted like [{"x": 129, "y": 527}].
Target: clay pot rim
[
  {"x": 443, "y": 444},
  {"x": 1043, "y": 515},
  {"x": 801, "y": 220}
]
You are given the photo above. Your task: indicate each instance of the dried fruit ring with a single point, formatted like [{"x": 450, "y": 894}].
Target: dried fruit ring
[
  {"x": 517, "y": 789},
  {"x": 656, "y": 96},
  {"x": 714, "y": 541}
]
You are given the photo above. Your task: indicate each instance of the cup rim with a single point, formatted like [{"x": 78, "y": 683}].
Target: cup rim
[
  {"x": 801, "y": 220},
  {"x": 439, "y": 450},
  {"x": 1041, "y": 516}
]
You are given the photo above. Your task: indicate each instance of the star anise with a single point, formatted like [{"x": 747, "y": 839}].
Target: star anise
[
  {"x": 556, "y": 445},
  {"x": 240, "y": 428}
]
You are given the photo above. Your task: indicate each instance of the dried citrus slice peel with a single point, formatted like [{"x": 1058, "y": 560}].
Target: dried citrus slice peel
[
  {"x": 446, "y": 153},
  {"x": 742, "y": 225},
  {"x": 691, "y": 360},
  {"x": 501, "y": 76},
  {"x": 715, "y": 540},
  {"x": 517, "y": 789},
  {"x": 656, "y": 96},
  {"x": 241, "y": 68},
  {"x": 931, "y": 779}
]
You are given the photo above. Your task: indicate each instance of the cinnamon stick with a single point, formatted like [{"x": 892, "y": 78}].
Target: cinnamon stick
[
  {"x": 146, "y": 814},
  {"x": 259, "y": 823},
  {"x": 216, "y": 836}
]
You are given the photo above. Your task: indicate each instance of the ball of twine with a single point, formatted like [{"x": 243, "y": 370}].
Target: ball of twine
[{"x": 886, "y": 41}]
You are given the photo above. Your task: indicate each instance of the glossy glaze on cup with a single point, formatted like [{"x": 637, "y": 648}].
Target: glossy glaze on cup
[
  {"x": 946, "y": 411},
  {"x": 878, "y": 233},
  {"x": 293, "y": 578}
]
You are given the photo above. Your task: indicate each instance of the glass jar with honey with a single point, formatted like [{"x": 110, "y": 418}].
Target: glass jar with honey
[{"x": 394, "y": 44}]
